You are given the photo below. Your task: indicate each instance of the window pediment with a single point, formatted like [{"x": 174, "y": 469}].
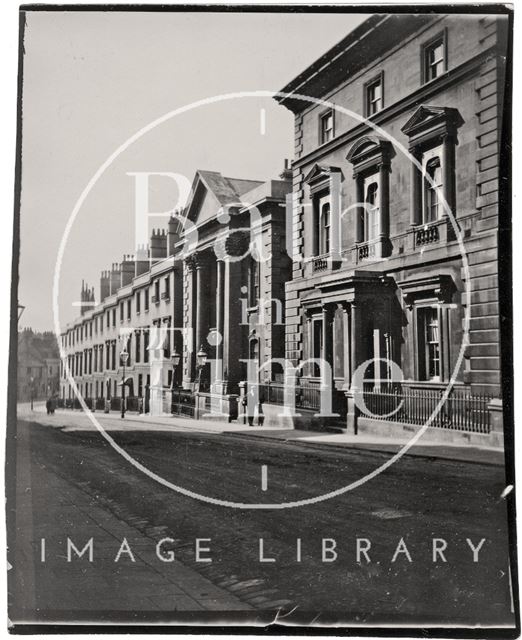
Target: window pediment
[
  {"x": 319, "y": 175},
  {"x": 431, "y": 121},
  {"x": 440, "y": 286},
  {"x": 370, "y": 151}
]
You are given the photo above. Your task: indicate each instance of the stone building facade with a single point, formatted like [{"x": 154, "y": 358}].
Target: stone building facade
[
  {"x": 198, "y": 282},
  {"x": 393, "y": 206},
  {"x": 382, "y": 267},
  {"x": 139, "y": 293},
  {"x": 234, "y": 278},
  {"x": 38, "y": 365}
]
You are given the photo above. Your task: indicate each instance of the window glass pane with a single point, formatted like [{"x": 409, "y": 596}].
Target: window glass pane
[
  {"x": 325, "y": 228},
  {"x": 327, "y": 127},
  {"x": 317, "y": 346},
  {"x": 429, "y": 344},
  {"x": 433, "y": 187},
  {"x": 435, "y": 60},
  {"x": 374, "y": 98},
  {"x": 371, "y": 227}
]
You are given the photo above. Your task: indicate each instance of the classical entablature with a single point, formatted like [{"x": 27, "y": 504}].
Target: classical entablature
[{"x": 439, "y": 286}]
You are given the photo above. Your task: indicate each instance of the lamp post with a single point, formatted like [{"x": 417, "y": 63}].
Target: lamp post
[
  {"x": 32, "y": 392},
  {"x": 124, "y": 356},
  {"x": 201, "y": 358},
  {"x": 174, "y": 359}
]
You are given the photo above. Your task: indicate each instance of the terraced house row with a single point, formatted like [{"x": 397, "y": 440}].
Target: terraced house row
[{"x": 395, "y": 198}]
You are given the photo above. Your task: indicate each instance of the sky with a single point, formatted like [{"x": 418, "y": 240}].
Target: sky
[{"x": 94, "y": 79}]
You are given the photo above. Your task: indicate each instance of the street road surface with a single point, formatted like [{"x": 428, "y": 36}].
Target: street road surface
[{"x": 308, "y": 568}]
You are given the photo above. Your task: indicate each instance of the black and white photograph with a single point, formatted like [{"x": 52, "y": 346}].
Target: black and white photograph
[{"x": 261, "y": 351}]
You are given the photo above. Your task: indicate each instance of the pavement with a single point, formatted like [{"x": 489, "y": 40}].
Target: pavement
[
  {"x": 76, "y": 420},
  {"x": 50, "y": 588}
]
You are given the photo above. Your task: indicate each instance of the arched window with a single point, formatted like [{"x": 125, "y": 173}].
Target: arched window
[
  {"x": 432, "y": 189},
  {"x": 371, "y": 218},
  {"x": 324, "y": 228}
]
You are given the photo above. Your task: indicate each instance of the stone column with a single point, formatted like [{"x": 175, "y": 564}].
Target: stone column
[
  {"x": 445, "y": 338},
  {"x": 190, "y": 349},
  {"x": 384, "y": 205},
  {"x": 309, "y": 342},
  {"x": 220, "y": 306},
  {"x": 448, "y": 172},
  {"x": 359, "y": 212},
  {"x": 235, "y": 345},
  {"x": 328, "y": 337},
  {"x": 347, "y": 358},
  {"x": 352, "y": 412},
  {"x": 201, "y": 301},
  {"x": 415, "y": 190}
]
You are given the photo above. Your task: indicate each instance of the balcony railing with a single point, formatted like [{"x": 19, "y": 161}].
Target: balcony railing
[
  {"x": 433, "y": 233},
  {"x": 365, "y": 251},
  {"x": 165, "y": 295},
  {"x": 320, "y": 263},
  {"x": 427, "y": 235}
]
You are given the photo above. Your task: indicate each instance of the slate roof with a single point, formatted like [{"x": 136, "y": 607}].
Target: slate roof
[{"x": 225, "y": 190}]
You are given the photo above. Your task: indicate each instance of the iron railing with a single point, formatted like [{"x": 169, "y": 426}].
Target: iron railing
[
  {"x": 183, "y": 403},
  {"x": 307, "y": 396},
  {"x": 132, "y": 403},
  {"x": 461, "y": 411}
]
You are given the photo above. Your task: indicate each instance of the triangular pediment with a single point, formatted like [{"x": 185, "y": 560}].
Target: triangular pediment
[
  {"x": 428, "y": 115},
  {"x": 202, "y": 203},
  {"x": 212, "y": 193},
  {"x": 320, "y": 172}
]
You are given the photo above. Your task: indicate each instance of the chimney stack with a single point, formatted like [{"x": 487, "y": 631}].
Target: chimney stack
[
  {"x": 127, "y": 269},
  {"x": 142, "y": 263},
  {"x": 86, "y": 298},
  {"x": 287, "y": 173},
  {"x": 158, "y": 245},
  {"x": 115, "y": 278},
  {"x": 105, "y": 286}
]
